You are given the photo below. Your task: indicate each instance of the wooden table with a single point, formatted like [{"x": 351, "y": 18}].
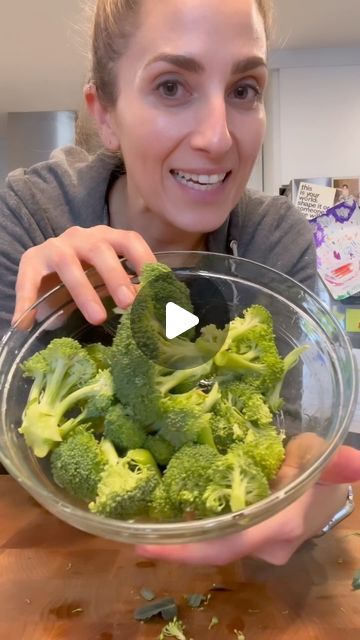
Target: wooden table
[{"x": 59, "y": 583}]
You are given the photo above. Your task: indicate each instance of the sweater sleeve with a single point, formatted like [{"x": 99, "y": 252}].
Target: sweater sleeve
[{"x": 40, "y": 203}]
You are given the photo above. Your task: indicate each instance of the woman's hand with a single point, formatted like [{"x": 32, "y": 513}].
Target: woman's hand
[
  {"x": 63, "y": 259},
  {"x": 276, "y": 539}
]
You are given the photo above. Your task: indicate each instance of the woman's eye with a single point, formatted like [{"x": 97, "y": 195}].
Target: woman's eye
[
  {"x": 247, "y": 93},
  {"x": 169, "y": 88}
]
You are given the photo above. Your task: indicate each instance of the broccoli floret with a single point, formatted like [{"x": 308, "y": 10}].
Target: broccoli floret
[
  {"x": 163, "y": 287},
  {"x": 160, "y": 448},
  {"x": 187, "y": 476},
  {"x": 77, "y": 464},
  {"x": 64, "y": 380},
  {"x": 211, "y": 340},
  {"x": 161, "y": 508},
  {"x": 173, "y": 629},
  {"x": 126, "y": 484},
  {"x": 247, "y": 399},
  {"x": 139, "y": 382},
  {"x": 235, "y": 483},
  {"x": 250, "y": 348},
  {"x": 158, "y": 286},
  {"x": 186, "y": 418},
  {"x": 265, "y": 447},
  {"x": 228, "y": 425},
  {"x": 100, "y": 354},
  {"x": 273, "y": 398},
  {"x": 122, "y": 430}
]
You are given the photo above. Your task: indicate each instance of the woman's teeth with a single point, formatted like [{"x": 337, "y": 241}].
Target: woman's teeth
[{"x": 201, "y": 182}]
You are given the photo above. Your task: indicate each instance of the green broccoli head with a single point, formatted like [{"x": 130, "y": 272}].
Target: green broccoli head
[
  {"x": 135, "y": 376},
  {"x": 100, "y": 354},
  {"x": 160, "y": 448},
  {"x": 62, "y": 367},
  {"x": 211, "y": 340},
  {"x": 161, "y": 508},
  {"x": 77, "y": 464},
  {"x": 139, "y": 382},
  {"x": 122, "y": 430},
  {"x": 247, "y": 399},
  {"x": 273, "y": 397},
  {"x": 186, "y": 418},
  {"x": 173, "y": 629},
  {"x": 265, "y": 447},
  {"x": 250, "y": 348},
  {"x": 228, "y": 425},
  {"x": 126, "y": 486},
  {"x": 64, "y": 380},
  {"x": 187, "y": 476},
  {"x": 162, "y": 287},
  {"x": 235, "y": 483}
]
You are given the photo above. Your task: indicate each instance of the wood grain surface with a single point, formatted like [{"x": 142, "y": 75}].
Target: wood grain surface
[{"x": 58, "y": 583}]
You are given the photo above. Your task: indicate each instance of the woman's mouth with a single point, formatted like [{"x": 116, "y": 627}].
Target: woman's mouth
[{"x": 200, "y": 182}]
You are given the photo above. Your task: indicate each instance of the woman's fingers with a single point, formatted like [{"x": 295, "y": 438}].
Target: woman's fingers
[
  {"x": 344, "y": 466},
  {"x": 274, "y": 540},
  {"x": 66, "y": 255}
]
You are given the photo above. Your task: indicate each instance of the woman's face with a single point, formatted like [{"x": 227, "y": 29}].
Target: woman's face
[{"x": 189, "y": 117}]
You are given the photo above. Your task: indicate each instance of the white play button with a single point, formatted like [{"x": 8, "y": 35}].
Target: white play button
[{"x": 178, "y": 320}]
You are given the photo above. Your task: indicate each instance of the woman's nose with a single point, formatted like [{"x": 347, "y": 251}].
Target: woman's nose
[{"x": 210, "y": 132}]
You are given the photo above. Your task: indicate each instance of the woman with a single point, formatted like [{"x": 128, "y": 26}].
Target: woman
[{"x": 177, "y": 89}]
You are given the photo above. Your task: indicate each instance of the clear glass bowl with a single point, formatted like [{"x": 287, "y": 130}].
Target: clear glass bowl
[{"x": 320, "y": 393}]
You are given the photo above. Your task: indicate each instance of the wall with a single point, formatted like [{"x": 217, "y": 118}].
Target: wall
[{"x": 313, "y": 116}]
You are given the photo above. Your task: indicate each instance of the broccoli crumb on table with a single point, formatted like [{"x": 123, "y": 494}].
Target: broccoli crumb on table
[{"x": 58, "y": 583}]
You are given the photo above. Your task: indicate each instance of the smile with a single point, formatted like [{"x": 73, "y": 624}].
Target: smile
[{"x": 201, "y": 182}]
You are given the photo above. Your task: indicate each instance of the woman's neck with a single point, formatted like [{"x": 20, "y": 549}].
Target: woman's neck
[{"x": 158, "y": 233}]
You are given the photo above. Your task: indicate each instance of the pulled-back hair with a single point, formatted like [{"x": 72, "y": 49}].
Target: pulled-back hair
[{"x": 113, "y": 23}]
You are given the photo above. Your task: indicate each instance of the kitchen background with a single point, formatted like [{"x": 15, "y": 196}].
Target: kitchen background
[{"x": 313, "y": 100}]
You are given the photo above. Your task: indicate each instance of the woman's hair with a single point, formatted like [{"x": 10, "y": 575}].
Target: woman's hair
[{"x": 113, "y": 23}]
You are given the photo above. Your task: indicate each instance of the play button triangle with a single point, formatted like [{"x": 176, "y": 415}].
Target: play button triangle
[{"x": 178, "y": 320}]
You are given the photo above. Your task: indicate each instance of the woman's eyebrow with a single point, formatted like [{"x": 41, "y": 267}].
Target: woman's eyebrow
[
  {"x": 248, "y": 64},
  {"x": 188, "y": 63},
  {"x": 183, "y": 62}
]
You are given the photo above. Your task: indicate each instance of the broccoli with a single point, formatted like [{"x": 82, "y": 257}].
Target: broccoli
[
  {"x": 158, "y": 286},
  {"x": 186, "y": 478},
  {"x": 211, "y": 340},
  {"x": 246, "y": 398},
  {"x": 139, "y": 382},
  {"x": 273, "y": 394},
  {"x": 126, "y": 484},
  {"x": 250, "y": 349},
  {"x": 77, "y": 464},
  {"x": 160, "y": 448},
  {"x": 100, "y": 354},
  {"x": 164, "y": 286},
  {"x": 235, "y": 483},
  {"x": 265, "y": 447},
  {"x": 186, "y": 418},
  {"x": 122, "y": 430},
  {"x": 174, "y": 629},
  {"x": 64, "y": 380},
  {"x": 228, "y": 425},
  {"x": 161, "y": 508}
]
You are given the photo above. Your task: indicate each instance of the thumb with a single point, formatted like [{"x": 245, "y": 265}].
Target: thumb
[{"x": 343, "y": 467}]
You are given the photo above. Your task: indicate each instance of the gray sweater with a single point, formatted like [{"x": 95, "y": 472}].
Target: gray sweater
[{"x": 71, "y": 188}]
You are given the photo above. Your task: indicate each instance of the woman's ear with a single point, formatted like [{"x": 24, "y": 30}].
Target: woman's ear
[{"x": 102, "y": 117}]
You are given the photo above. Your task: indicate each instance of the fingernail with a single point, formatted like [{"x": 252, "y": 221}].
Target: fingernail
[
  {"x": 125, "y": 296},
  {"x": 94, "y": 312}
]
